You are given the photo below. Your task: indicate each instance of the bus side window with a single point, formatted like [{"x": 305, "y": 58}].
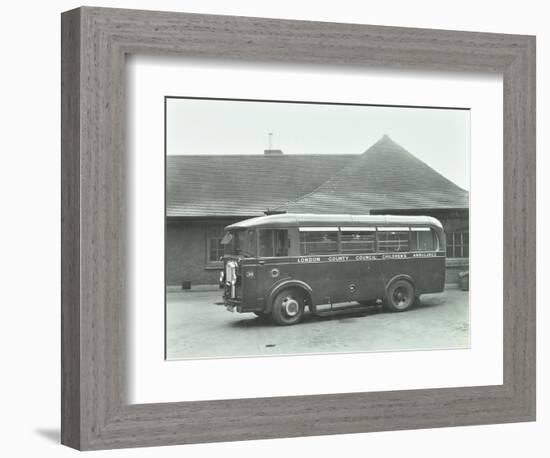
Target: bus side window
[
  {"x": 266, "y": 243},
  {"x": 318, "y": 242},
  {"x": 391, "y": 241},
  {"x": 273, "y": 242},
  {"x": 422, "y": 239},
  {"x": 358, "y": 241},
  {"x": 281, "y": 242}
]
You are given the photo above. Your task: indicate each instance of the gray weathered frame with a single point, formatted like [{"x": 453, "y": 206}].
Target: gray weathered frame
[{"x": 95, "y": 414}]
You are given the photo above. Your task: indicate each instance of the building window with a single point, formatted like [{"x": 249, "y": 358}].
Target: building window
[
  {"x": 458, "y": 244},
  {"x": 214, "y": 248}
]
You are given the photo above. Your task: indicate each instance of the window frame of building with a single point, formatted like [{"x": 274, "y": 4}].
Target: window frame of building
[
  {"x": 214, "y": 232},
  {"x": 456, "y": 248}
]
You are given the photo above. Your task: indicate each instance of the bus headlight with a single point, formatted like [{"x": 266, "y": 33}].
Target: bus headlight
[{"x": 231, "y": 276}]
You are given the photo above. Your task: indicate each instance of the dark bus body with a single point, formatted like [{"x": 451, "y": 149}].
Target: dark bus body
[{"x": 280, "y": 264}]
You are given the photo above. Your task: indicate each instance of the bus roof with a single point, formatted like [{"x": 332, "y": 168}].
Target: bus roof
[{"x": 307, "y": 219}]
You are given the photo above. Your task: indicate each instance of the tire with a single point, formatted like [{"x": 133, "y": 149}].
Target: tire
[
  {"x": 288, "y": 307},
  {"x": 400, "y": 296}
]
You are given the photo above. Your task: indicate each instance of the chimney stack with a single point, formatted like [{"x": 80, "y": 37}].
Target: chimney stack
[{"x": 270, "y": 151}]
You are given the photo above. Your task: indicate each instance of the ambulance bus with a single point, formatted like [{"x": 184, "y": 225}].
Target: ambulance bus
[{"x": 280, "y": 265}]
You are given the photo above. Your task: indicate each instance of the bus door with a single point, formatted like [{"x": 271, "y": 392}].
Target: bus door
[
  {"x": 245, "y": 247},
  {"x": 361, "y": 271},
  {"x": 272, "y": 266}
]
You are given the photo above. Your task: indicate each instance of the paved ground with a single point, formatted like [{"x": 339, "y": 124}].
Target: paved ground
[{"x": 197, "y": 328}]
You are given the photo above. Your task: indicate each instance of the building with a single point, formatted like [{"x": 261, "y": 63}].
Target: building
[{"x": 206, "y": 193}]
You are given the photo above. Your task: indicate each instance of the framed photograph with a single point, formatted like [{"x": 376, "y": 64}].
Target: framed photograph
[
  {"x": 310, "y": 234},
  {"x": 276, "y": 228}
]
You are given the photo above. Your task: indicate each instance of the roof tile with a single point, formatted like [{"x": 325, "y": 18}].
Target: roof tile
[
  {"x": 385, "y": 177},
  {"x": 243, "y": 185}
]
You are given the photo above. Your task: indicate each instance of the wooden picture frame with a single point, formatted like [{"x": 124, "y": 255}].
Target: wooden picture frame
[{"x": 95, "y": 412}]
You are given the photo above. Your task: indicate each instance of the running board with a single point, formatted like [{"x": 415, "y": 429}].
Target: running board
[{"x": 343, "y": 308}]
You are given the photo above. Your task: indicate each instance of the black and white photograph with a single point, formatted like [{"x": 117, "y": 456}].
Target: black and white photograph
[
  {"x": 299, "y": 228},
  {"x": 275, "y": 229}
]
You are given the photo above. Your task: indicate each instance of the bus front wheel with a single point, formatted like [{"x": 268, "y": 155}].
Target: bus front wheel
[
  {"x": 288, "y": 307},
  {"x": 400, "y": 296}
]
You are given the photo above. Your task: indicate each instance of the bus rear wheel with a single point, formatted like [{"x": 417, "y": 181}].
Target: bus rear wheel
[
  {"x": 400, "y": 296},
  {"x": 288, "y": 307}
]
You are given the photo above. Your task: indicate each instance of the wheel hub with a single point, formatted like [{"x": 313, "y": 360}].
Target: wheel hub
[
  {"x": 291, "y": 306},
  {"x": 401, "y": 297}
]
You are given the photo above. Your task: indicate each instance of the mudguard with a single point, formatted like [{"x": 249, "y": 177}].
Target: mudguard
[
  {"x": 288, "y": 283},
  {"x": 399, "y": 277}
]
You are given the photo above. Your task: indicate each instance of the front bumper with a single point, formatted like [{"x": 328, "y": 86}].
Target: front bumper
[{"x": 233, "y": 305}]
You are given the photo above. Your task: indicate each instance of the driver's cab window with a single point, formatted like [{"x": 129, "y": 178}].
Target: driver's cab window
[{"x": 273, "y": 242}]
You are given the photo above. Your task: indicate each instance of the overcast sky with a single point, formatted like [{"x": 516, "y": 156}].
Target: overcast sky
[{"x": 439, "y": 137}]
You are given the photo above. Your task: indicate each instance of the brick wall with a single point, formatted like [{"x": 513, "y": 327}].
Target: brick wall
[{"x": 186, "y": 253}]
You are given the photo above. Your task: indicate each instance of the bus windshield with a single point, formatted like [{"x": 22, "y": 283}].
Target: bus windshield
[{"x": 240, "y": 243}]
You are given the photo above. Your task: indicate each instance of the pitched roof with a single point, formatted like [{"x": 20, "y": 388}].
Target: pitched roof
[
  {"x": 243, "y": 185},
  {"x": 384, "y": 177}
]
